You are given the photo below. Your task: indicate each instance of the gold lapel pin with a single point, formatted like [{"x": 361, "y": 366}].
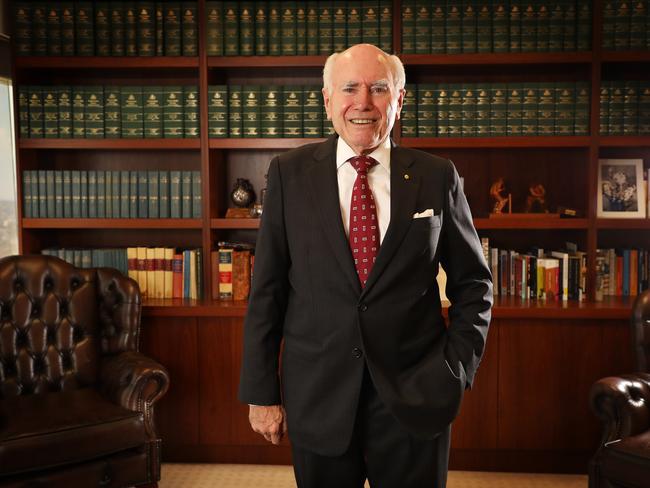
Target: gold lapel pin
[{"x": 406, "y": 177}]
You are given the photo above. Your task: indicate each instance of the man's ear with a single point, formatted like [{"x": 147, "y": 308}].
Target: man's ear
[
  {"x": 326, "y": 99},
  {"x": 400, "y": 102}
]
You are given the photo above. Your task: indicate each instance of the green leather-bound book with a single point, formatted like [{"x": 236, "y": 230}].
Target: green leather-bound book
[
  {"x": 514, "y": 25},
  {"x": 64, "y": 108},
  {"x": 22, "y": 28},
  {"x": 115, "y": 194},
  {"x": 426, "y": 110},
  {"x": 53, "y": 29},
  {"x": 515, "y": 104},
  {"x": 301, "y": 29},
  {"x": 468, "y": 26},
  {"x": 644, "y": 107},
  {"x": 143, "y": 194},
  {"x": 218, "y": 111},
  {"x": 27, "y": 194},
  {"x": 482, "y": 93},
  {"x": 163, "y": 194},
  {"x": 271, "y": 111},
  {"x": 569, "y": 37},
  {"x": 311, "y": 112},
  {"x": 325, "y": 26},
  {"x": 638, "y": 16},
  {"x": 130, "y": 28},
  {"x": 102, "y": 29},
  {"x": 214, "y": 29},
  {"x": 153, "y": 189},
  {"x": 42, "y": 193},
  {"x": 483, "y": 27},
  {"x": 159, "y": 26},
  {"x": 582, "y": 105},
  {"x": 133, "y": 194},
  {"x": 190, "y": 28},
  {"x": 173, "y": 111},
  {"x": 409, "y": 115},
  {"x": 251, "y": 111},
  {"x": 84, "y": 28},
  {"x": 328, "y": 128},
  {"x": 247, "y": 28},
  {"x": 92, "y": 194},
  {"x": 584, "y": 21},
  {"x": 196, "y": 195},
  {"x": 528, "y": 26},
  {"x": 455, "y": 110},
  {"x": 23, "y": 110},
  {"x": 564, "y": 108},
  {"x": 49, "y": 199},
  {"x": 94, "y": 111},
  {"x": 186, "y": 194},
  {"x": 112, "y": 112},
  {"x": 261, "y": 28},
  {"x": 36, "y": 117},
  {"x": 231, "y": 28},
  {"x": 146, "y": 28},
  {"x": 622, "y": 25},
  {"x": 108, "y": 195},
  {"x": 191, "y": 111},
  {"x": 386, "y": 25},
  {"x": 438, "y": 21},
  {"x": 498, "y": 108},
  {"x": 546, "y": 109},
  {"x": 353, "y": 22},
  {"x": 543, "y": 20},
  {"x": 153, "y": 111},
  {"x": 631, "y": 107},
  {"x": 101, "y": 194},
  {"x": 235, "y": 117},
  {"x": 117, "y": 29},
  {"x": 132, "y": 112},
  {"x": 370, "y": 22},
  {"x": 83, "y": 197},
  {"x": 288, "y": 28},
  {"x": 339, "y": 21},
  {"x": 609, "y": 24},
  {"x": 500, "y": 26},
  {"x": 442, "y": 109},
  {"x": 529, "y": 125},
  {"x": 76, "y": 194},
  {"x": 616, "y": 104},
  {"x": 125, "y": 194},
  {"x": 175, "y": 194},
  {"x": 408, "y": 26},
  {"x": 36, "y": 212},
  {"x": 58, "y": 194},
  {"x": 172, "y": 29},
  {"x": 39, "y": 29},
  {"x": 274, "y": 28},
  {"x": 453, "y": 29},
  {"x": 312, "y": 27},
  {"x": 292, "y": 111},
  {"x": 468, "y": 127},
  {"x": 50, "y": 113},
  {"x": 422, "y": 27},
  {"x": 67, "y": 194},
  {"x": 555, "y": 26}
]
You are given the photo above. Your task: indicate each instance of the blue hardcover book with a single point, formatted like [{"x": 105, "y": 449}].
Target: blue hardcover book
[
  {"x": 186, "y": 194},
  {"x": 163, "y": 194},
  {"x": 175, "y": 194},
  {"x": 34, "y": 192},
  {"x": 133, "y": 194},
  {"x": 186, "y": 273},
  {"x": 125, "y": 203},
  {"x": 42, "y": 194},
  {"x": 49, "y": 184},
  {"x": 115, "y": 195},
  {"x": 626, "y": 272},
  {"x": 196, "y": 194},
  {"x": 143, "y": 195},
  {"x": 83, "y": 199},
  {"x": 153, "y": 195},
  {"x": 101, "y": 194},
  {"x": 76, "y": 194},
  {"x": 67, "y": 194},
  {"x": 92, "y": 194},
  {"x": 108, "y": 185},
  {"x": 27, "y": 194}
]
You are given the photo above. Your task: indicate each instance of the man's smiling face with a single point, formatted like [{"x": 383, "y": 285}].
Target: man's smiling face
[{"x": 363, "y": 103}]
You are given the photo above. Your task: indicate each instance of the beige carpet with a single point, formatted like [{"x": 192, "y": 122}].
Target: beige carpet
[{"x": 255, "y": 476}]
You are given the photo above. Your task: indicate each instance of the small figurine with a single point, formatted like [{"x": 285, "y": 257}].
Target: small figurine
[
  {"x": 501, "y": 200},
  {"x": 536, "y": 200},
  {"x": 243, "y": 194}
]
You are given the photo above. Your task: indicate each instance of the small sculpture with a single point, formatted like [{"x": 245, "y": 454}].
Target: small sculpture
[
  {"x": 501, "y": 199},
  {"x": 242, "y": 194},
  {"x": 536, "y": 200}
]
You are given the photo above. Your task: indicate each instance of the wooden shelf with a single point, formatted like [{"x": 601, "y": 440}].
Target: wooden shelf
[
  {"x": 640, "y": 224},
  {"x": 112, "y": 223},
  {"x": 496, "y": 142},
  {"x": 626, "y": 56},
  {"x": 193, "y": 308},
  {"x": 583, "y": 57},
  {"x": 107, "y": 62},
  {"x": 234, "y": 223},
  {"x": 624, "y": 141},
  {"x": 524, "y": 223},
  {"x": 42, "y": 143},
  {"x": 262, "y": 143},
  {"x": 266, "y": 61}
]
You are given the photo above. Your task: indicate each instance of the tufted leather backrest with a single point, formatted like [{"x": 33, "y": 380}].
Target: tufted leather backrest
[
  {"x": 641, "y": 331},
  {"x": 57, "y": 320}
]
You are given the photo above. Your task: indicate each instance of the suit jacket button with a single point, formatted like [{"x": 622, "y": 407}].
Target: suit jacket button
[
  {"x": 363, "y": 307},
  {"x": 356, "y": 353}
]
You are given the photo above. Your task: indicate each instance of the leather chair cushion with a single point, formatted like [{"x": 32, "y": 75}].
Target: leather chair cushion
[
  {"x": 627, "y": 461},
  {"x": 41, "y": 431}
]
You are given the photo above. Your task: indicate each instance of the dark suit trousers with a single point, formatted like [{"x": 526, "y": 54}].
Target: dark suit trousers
[{"x": 380, "y": 450}]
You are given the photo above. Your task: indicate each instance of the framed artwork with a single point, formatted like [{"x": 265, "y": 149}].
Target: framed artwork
[{"x": 621, "y": 192}]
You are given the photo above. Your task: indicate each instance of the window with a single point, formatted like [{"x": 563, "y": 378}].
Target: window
[{"x": 8, "y": 207}]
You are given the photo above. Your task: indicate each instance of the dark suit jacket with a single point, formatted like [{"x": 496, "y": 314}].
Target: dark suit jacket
[{"x": 306, "y": 292}]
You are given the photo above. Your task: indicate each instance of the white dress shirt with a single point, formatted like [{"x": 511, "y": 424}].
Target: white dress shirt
[{"x": 378, "y": 179}]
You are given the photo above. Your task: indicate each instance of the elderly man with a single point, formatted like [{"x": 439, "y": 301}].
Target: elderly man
[{"x": 345, "y": 274}]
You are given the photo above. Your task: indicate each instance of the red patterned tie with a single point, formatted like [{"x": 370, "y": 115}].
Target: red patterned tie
[{"x": 364, "y": 226}]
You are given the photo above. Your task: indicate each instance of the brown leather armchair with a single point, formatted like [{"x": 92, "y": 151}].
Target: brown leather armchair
[
  {"x": 623, "y": 405},
  {"x": 76, "y": 396}
]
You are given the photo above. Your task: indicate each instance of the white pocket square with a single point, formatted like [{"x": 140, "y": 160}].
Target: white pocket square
[{"x": 426, "y": 213}]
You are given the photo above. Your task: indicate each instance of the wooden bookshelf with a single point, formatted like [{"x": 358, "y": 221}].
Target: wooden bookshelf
[
  {"x": 126, "y": 144},
  {"x": 107, "y": 62},
  {"x": 499, "y": 142},
  {"x": 112, "y": 223}
]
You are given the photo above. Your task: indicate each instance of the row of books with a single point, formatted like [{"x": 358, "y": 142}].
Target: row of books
[
  {"x": 160, "y": 272},
  {"x": 626, "y": 25},
  {"x": 496, "y": 109},
  {"x": 555, "y": 275},
  {"x": 108, "y": 111},
  {"x": 625, "y": 107},
  {"x": 154, "y": 194},
  {"x": 622, "y": 272},
  {"x": 116, "y": 28},
  {"x": 232, "y": 269},
  {"x": 439, "y": 27},
  {"x": 292, "y": 28}
]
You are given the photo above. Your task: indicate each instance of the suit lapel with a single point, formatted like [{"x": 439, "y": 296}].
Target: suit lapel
[
  {"x": 404, "y": 186},
  {"x": 325, "y": 191}
]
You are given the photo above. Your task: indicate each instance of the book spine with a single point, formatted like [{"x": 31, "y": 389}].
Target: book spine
[
  {"x": 112, "y": 112},
  {"x": 339, "y": 21},
  {"x": 196, "y": 195},
  {"x": 191, "y": 111},
  {"x": 58, "y": 194},
  {"x": 175, "y": 194},
  {"x": 36, "y": 117},
  {"x": 83, "y": 199},
  {"x": 116, "y": 187},
  {"x": 408, "y": 27},
  {"x": 251, "y": 111},
  {"x": 214, "y": 29},
  {"x": 288, "y": 28},
  {"x": 143, "y": 194},
  {"x": 546, "y": 109},
  {"x": 108, "y": 195},
  {"x": 186, "y": 194},
  {"x": 616, "y": 107},
  {"x": 235, "y": 117},
  {"x": 468, "y": 111},
  {"x": 584, "y": 21},
  {"x": 409, "y": 116},
  {"x": 49, "y": 199},
  {"x": 189, "y": 28},
  {"x": 292, "y": 111},
  {"x": 498, "y": 109},
  {"x": 132, "y": 112},
  {"x": 133, "y": 194},
  {"x": 23, "y": 110},
  {"x": 117, "y": 28},
  {"x": 173, "y": 111},
  {"x": 217, "y": 111},
  {"x": 53, "y": 30},
  {"x": 177, "y": 278},
  {"x": 261, "y": 28},
  {"x": 528, "y": 27},
  {"x": 28, "y": 198},
  {"x": 483, "y": 27},
  {"x": 644, "y": 108},
  {"x": 604, "y": 108},
  {"x": 94, "y": 112},
  {"x": 39, "y": 29},
  {"x": 609, "y": 23},
  {"x": 50, "y": 113},
  {"x": 153, "y": 111},
  {"x": 225, "y": 274},
  {"x": 442, "y": 109},
  {"x": 271, "y": 111},
  {"x": 125, "y": 195},
  {"x": 67, "y": 194},
  {"x": 301, "y": 29},
  {"x": 453, "y": 29},
  {"x": 500, "y": 26},
  {"x": 569, "y": 37},
  {"x": 153, "y": 188},
  {"x": 84, "y": 28},
  {"x": 312, "y": 28},
  {"x": 76, "y": 194},
  {"x": 482, "y": 111},
  {"x": 468, "y": 26},
  {"x": 130, "y": 28},
  {"x": 454, "y": 110},
  {"x": 42, "y": 193},
  {"x": 555, "y": 27},
  {"x": 543, "y": 21},
  {"x": 172, "y": 28},
  {"x": 426, "y": 108},
  {"x": 23, "y": 28},
  {"x": 159, "y": 22},
  {"x": 78, "y": 112},
  {"x": 64, "y": 108},
  {"x": 422, "y": 27},
  {"x": 240, "y": 274},
  {"x": 311, "y": 112},
  {"x": 582, "y": 106},
  {"x": 146, "y": 28},
  {"x": 622, "y": 25},
  {"x": 102, "y": 15},
  {"x": 370, "y": 22},
  {"x": 325, "y": 27},
  {"x": 564, "y": 108},
  {"x": 92, "y": 194},
  {"x": 385, "y": 25},
  {"x": 630, "y": 108},
  {"x": 231, "y": 28}
]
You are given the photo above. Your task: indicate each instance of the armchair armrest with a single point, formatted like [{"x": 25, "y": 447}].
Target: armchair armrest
[
  {"x": 135, "y": 382},
  {"x": 623, "y": 405}
]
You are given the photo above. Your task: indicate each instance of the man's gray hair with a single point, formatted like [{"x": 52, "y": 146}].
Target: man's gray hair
[{"x": 394, "y": 64}]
